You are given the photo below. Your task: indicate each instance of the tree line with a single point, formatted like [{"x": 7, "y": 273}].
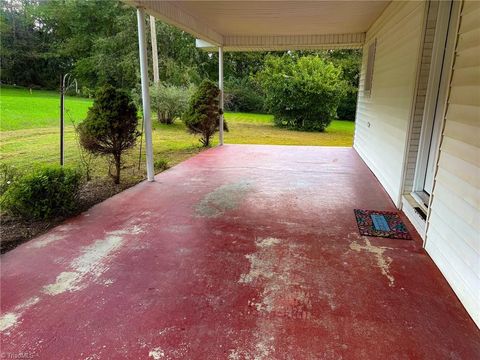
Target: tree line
[{"x": 96, "y": 41}]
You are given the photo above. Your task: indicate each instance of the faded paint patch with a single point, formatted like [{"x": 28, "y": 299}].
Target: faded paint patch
[
  {"x": 108, "y": 282},
  {"x": 46, "y": 240},
  {"x": 178, "y": 229},
  {"x": 10, "y": 319},
  {"x": 234, "y": 355},
  {"x": 273, "y": 266},
  {"x": 267, "y": 242},
  {"x": 223, "y": 199},
  {"x": 265, "y": 340},
  {"x": 383, "y": 262},
  {"x": 156, "y": 353},
  {"x": 91, "y": 263},
  {"x": 282, "y": 269}
]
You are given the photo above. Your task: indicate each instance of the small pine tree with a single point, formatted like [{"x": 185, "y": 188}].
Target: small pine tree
[
  {"x": 203, "y": 114},
  {"x": 110, "y": 127}
]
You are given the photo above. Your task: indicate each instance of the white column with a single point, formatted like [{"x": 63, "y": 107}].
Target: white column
[
  {"x": 220, "y": 85},
  {"x": 142, "y": 48},
  {"x": 153, "y": 35}
]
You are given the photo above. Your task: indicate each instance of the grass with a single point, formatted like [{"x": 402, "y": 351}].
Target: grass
[
  {"x": 29, "y": 133},
  {"x": 21, "y": 109}
]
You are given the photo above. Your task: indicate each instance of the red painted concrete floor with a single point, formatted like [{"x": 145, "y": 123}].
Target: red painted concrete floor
[{"x": 241, "y": 252}]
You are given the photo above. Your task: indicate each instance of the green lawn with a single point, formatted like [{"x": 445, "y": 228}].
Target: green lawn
[
  {"x": 29, "y": 132},
  {"x": 21, "y": 110}
]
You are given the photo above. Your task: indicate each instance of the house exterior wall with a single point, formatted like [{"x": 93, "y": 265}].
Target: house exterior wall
[
  {"x": 453, "y": 230},
  {"x": 383, "y": 117},
  {"x": 388, "y": 129}
]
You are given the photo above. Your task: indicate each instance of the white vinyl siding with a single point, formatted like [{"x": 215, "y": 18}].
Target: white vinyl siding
[
  {"x": 383, "y": 117},
  {"x": 453, "y": 233}
]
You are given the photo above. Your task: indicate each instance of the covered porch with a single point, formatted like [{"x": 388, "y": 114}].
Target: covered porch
[{"x": 241, "y": 252}]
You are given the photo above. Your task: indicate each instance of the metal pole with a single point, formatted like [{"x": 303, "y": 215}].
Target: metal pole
[
  {"x": 153, "y": 35},
  {"x": 142, "y": 48},
  {"x": 220, "y": 85},
  {"x": 62, "y": 121}
]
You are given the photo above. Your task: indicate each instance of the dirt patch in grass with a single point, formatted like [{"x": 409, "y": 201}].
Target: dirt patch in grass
[{"x": 15, "y": 231}]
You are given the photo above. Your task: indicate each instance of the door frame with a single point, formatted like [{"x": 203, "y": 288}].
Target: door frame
[{"x": 443, "y": 53}]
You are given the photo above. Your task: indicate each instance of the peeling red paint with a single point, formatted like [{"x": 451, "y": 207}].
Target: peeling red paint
[{"x": 241, "y": 252}]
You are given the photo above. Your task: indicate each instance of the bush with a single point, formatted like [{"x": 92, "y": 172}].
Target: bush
[
  {"x": 203, "y": 114},
  {"x": 348, "y": 105},
  {"x": 244, "y": 96},
  {"x": 44, "y": 193},
  {"x": 350, "y": 62},
  {"x": 8, "y": 175},
  {"x": 302, "y": 93},
  {"x": 110, "y": 127},
  {"x": 161, "y": 164},
  {"x": 169, "y": 102}
]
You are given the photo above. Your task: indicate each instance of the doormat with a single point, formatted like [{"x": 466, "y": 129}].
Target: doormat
[{"x": 382, "y": 224}]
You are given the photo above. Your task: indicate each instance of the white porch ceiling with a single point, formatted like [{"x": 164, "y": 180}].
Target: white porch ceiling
[{"x": 270, "y": 25}]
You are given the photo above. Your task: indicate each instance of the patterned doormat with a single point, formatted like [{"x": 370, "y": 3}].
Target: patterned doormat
[{"x": 382, "y": 224}]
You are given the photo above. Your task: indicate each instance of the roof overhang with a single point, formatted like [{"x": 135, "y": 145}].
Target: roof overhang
[{"x": 269, "y": 25}]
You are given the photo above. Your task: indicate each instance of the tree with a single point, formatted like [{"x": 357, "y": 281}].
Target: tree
[
  {"x": 350, "y": 61},
  {"x": 169, "y": 102},
  {"x": 203, "y": 114},
  {"x": 111, "y": 126},
  {"x": 26, "y": 57},
  {"x": 302, "y": 93}
]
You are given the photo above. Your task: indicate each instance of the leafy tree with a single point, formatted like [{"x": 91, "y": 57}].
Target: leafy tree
[
  {"x": 350, "y": 61},
  {"x": 26, "y": 57},
  {"x": 169, "y": 102},
  {"x": 96, "y": 41},
  {"x": 111, "y": 126},
  {"x": 98, "y": 38},
  {"x": 244, "y": 95},
  {"x": 302, "y": 93},
  {"x": 203, "y": 114}
]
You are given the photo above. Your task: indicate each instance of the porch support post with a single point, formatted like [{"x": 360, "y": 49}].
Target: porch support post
[
  {"x": 142, "y": 48},
  {"x": 220, "y": 85},
  {"x": 153, "y": 35}
]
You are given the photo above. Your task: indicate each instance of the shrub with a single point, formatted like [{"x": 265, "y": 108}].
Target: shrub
[
  {"x": 348, "y": 105},
  {"x": 350, "y": 62},
  {"x": 110, "y": 127},
  {"x": 8, "y": 175},
  {"x": 169, "y": 102},
  {"x": 44, "y": 193},
  {"x": 244, "y": 96},
  {"x": 302, "y": 93},
  {"x": 161, "y": 164},
  {"x": 203, "y": 114}
]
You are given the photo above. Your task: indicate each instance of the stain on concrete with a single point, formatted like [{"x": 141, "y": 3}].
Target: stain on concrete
[
  {"x": 10, "y": 319},
  {"x": 383, "y": 261},
  {"x": 225, "y": 198}
]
